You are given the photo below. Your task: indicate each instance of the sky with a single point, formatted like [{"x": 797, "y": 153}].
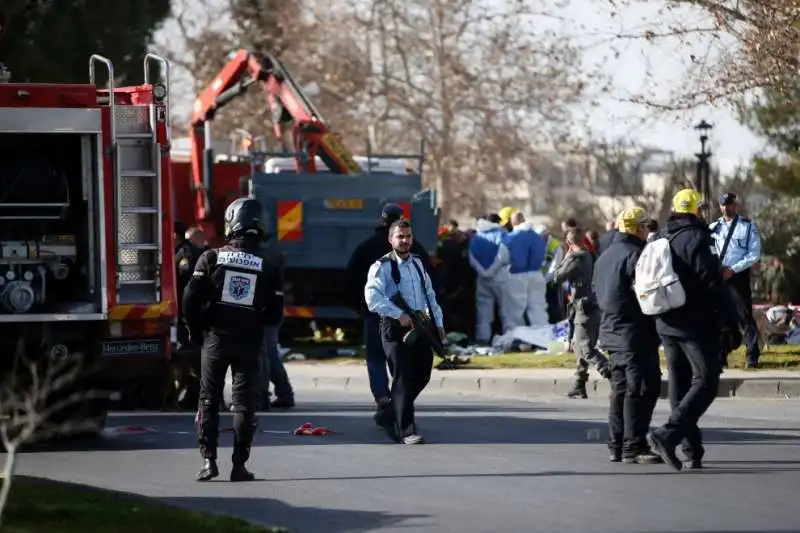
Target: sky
[{"x": 638, "y": 67}]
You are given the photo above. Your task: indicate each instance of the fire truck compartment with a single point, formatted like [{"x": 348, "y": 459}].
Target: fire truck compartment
[
  {"x": 319, "y": 219},
  {"x": 51, "y": 219}
]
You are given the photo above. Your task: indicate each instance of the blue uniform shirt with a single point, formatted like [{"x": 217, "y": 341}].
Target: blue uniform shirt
[
  {"x": 744, "y": 249},
  {"x": 381, "y": 287}
]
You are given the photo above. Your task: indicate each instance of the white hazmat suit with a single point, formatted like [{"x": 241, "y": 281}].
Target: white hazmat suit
[{"x": 489, "y": 257}]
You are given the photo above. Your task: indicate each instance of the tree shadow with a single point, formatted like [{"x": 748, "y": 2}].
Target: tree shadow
[
  {"x": 270, "y": 512},
  {"x": 613, "y": 471}
]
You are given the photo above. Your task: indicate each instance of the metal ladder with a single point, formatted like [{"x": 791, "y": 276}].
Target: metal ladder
[{"x": 137, "y": 190}]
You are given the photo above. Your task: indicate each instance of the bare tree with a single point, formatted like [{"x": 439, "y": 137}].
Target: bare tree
[
  {"x": 746, "y": 45},
  {"x": 481, "y": 82},
  {"x": 202, "y": 35},
  {"x": 35, "y": 402}
]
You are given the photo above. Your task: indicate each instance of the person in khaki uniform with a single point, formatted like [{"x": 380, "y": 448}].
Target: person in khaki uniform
[{"x": 577, "y": 268}]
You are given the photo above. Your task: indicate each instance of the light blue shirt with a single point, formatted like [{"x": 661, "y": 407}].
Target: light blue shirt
[
  {"x": 744, "y": 250},
  {"x": 381, "y": 287}
]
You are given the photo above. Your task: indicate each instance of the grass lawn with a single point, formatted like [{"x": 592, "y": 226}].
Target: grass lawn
[
  {"x": 776, "y": 358},
  {"x": 42, "y": 506}
]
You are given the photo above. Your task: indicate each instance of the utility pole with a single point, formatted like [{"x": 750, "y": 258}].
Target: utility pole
[{"x": 703, "y": 179}]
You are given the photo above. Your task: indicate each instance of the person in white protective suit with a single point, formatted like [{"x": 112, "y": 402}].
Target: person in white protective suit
[
  {"x": 489, "y": 257},
  {"x": 529, "y": 287}
]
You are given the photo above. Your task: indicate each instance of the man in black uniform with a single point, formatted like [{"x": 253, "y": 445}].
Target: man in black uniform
[
  {"x": 630, "y": 338},
  {"x": 369, "y": 251},
  {"x": 691, "y": 333},
  {"x": 233, "y": 293},
  {"x": 186, "y": 256}
]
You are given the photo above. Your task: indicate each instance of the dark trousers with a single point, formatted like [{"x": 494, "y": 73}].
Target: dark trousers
[
  {"x": 555, "y": 305},
  {"x": 635, "y": 388},
  {"x": 411, "y": 372},
  {"x": 376, "y": 358},
  {"x": 740, "y": 283},
  {"x": 694, "y": 368},
  {"x": 216, "y": 356},
  {"x": 272, "y": 367}
]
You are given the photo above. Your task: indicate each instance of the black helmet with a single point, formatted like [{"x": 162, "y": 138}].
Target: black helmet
[
  {"x": 245, "y": 216},
  {"x": 390, "y": 213}
]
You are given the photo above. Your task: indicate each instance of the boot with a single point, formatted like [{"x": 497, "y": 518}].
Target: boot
[
  {"x": 579, "y": 387},
  {"x": 209, "y": 470},
  {"x": 383, "y": 412},
  {"x": 240, "y": 473}
]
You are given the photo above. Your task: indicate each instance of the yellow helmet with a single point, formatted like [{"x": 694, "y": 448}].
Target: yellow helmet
[
  {"x": 505, "y": 215},
  {"x": 686, "y": 202}
]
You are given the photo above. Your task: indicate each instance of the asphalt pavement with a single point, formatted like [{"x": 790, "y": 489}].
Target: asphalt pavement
[{"x": 490, "y": 465}]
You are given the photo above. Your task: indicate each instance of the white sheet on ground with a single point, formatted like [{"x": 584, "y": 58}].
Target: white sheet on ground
[{"x": 543, "y": 337}]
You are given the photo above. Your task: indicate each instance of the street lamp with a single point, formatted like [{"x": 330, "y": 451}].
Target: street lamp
[{"x": 703, "y": 179}]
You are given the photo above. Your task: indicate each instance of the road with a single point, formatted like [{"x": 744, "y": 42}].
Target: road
[{"x": 490, "y": 465}]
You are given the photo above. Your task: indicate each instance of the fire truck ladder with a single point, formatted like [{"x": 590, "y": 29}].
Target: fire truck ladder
[{"x": 137, "y": 185}]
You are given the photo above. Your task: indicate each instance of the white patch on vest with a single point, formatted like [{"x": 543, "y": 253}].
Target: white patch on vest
[
  {"x": 240, "y": 260},
  {"x": 239, "y": 288}
]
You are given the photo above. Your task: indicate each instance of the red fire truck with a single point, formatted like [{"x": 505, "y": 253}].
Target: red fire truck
[{"x": 86, "y": 243}]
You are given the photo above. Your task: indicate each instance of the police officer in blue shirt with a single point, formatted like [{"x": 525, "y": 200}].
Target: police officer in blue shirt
[
  {"x": 411, "y": 363},
  {"x": 737, "y": 243}
]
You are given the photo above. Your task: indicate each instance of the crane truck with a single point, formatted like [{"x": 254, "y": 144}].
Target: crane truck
[
  {"x": 86, "y": 244},
  {"x": 321, "y": 208}
]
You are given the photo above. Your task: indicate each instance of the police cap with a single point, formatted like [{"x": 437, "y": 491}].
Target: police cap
[{"x": 390, "y": 213}]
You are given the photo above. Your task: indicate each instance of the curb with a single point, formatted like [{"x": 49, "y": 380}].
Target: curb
[{"x": 524, "y": 387}]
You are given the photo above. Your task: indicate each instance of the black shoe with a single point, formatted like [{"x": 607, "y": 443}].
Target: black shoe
[
  {"x": 578, "y": 392},
  {"x": 614, "y": 457},
  {"x": 240, "y": 473},
  {"x": 209, "y": 470},
  {"x": 664, "y": 450},
  {"x": 751, "y": 365},
  {"x": 283, "y": 403},
  {"x": 693, "y": 464}
]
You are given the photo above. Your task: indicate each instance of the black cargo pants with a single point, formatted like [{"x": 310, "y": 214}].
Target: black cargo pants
[
  {"x": 694, "y": 367},
  {"x": 411, "y": 369},
  {"x": 218, "y": 353},
  {"x": 743, "y": 302},
  {"x": 635, "y": 388}
]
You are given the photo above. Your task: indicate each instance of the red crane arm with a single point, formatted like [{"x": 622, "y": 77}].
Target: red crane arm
[{"x": 310, "y": 135}]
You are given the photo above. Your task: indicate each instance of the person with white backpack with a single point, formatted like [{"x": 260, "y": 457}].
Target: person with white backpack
[{"x": 679, "y": 282}]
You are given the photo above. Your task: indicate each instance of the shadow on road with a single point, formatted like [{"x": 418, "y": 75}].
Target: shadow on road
[
  {"x": 271, "y": 512},
  {"x": 176, "y": 431},
  {"x": 613, "y": 471}
]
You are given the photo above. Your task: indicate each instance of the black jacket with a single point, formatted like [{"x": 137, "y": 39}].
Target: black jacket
[
  {"x": 605, "y": 241},
  {"x": 623, "y": 327},
  {"x": 369, "y": 251},
  {"x": 708, "y": 302},
  {"x": 235, "y": 291}
]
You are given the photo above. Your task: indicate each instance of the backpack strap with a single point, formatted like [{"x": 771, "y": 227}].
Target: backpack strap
[
  {"x": 728, "y": 240},
  {"x": 392, "y": 260},
  {"x": 393, "y": 265}
]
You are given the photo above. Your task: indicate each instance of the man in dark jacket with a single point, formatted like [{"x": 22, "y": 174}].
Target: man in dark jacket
[
  {"x": 369, "y": 251},
  {"x": 630, "y": 338},
  {"x": 691, "y": 333},
  {"x": 605, "y": 239}
]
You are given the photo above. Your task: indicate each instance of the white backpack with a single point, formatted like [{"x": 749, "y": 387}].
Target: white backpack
[{"x": 656, "y": 285}]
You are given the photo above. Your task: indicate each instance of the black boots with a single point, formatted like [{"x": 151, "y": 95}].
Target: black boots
[
  {"x": 211, "y": 471},
  {"x": 240, "y": 473},
  {"x": 579, "y": 387}
]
